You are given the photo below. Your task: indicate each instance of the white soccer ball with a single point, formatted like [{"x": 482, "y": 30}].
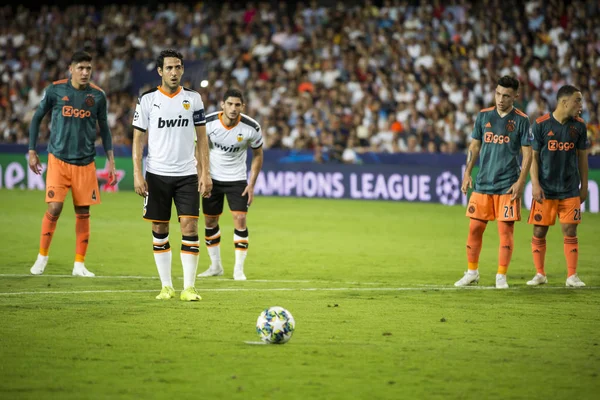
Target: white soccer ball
[{"x": 275, "y": 325}]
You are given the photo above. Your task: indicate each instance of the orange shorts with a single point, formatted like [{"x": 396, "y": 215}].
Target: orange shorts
[
  {"x": 544, "y": 214},
  {"x": 81, "y": 179},
  {"x": 490, "y": 207}
]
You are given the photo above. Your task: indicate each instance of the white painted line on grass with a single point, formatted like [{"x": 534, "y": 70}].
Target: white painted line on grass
[
  {"x": 180, "y": 278},
  {"x": 349, "y": 289},
  {"x": 77, "y": 292},
  {"x": 71, "y": 276}
]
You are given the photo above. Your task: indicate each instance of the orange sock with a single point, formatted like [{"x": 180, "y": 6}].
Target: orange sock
[
  {"x": 538, "y": 248},
  {"x": 571, "y": 248},
  {"x": 82, "y": 231},
  {"x": 48, "y": 228},
  {"x": 507, "y": 243},
  {"x": 474, "y": 241}
]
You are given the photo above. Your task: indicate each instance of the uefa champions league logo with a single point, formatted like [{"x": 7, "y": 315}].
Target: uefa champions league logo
[{"x": 448, "y": 188}]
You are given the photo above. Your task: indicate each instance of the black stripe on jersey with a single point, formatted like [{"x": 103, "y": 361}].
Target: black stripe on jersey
[
  {"x": 138, "y": 128},
  {"x": 212, "y": 117},
  {"x": 190, "y": 90},
  {"x": 147, "y": 92},
  {"x": 250, "y": 122}
]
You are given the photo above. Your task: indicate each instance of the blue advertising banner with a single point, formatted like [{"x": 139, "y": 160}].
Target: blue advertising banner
[
  {"x": 436, "y": 184},
  {"x": 304, "y": 156},
  {"x": 432, "y": 178}
]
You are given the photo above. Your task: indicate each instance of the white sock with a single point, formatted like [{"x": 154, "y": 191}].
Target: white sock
[
  {"x": 212, "y": 239},
  {"x": 214, "y": 252},
  {"x": 240, "y": 240},
  {"x": 162, "y": 257},
  {"x": 240, "y": 257},
  {"x": 189, "y": 259},
  {"x": 472, "y": 271}
]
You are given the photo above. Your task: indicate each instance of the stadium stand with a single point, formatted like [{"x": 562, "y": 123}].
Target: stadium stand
[{"x": 336, "y": 78}]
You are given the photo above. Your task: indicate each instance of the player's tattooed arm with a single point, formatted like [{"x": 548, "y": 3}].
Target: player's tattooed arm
[
  {"x": 536, "y": 189},
  {"x": 472, "y": 155}
]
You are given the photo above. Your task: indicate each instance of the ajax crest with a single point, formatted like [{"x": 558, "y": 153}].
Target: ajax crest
[
  {"x": 89, "y": 100},
  {"x": 573, "y": 131},
  {"x": 510, "y": 126}
]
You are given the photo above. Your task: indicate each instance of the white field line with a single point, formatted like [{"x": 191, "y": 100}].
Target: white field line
[
  {"x": 180, "y": 278},
  {"x": 350, "y": 289}
]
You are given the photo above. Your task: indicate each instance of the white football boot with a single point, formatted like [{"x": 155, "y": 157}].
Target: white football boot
[
  {"x": 79, "y": 269},
  {"x": 574, "y": 281},
  {"x": 238, "y": 274},
  {"x": 501, "y": 281},
  {"x": 468, "y": 278},
  {"x": 40, "y": 265},
  {"x": 538, "y": 279},
  {"x": 212, "y": 271}
]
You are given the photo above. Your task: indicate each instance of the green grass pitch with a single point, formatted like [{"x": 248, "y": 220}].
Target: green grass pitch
[{"x": 370, "y": 285}]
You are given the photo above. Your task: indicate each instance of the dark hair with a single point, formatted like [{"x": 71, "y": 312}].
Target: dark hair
[
  {"x": 160, "y": 60},
  {"x": 232, "y": 92},
  {"x": 566, "y": 91},
  {"x": 80, "y": 56},
  {"x": 509, "y": 82}
]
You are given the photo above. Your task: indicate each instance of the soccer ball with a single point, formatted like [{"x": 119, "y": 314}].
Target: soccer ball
[{"x": 275, "y": 325}]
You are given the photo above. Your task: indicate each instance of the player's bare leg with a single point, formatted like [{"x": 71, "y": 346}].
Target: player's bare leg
[
  {"x": 48, "y": 227},
  {"x": 240, "y": 240},
  {"x": 212, "y": 239}
]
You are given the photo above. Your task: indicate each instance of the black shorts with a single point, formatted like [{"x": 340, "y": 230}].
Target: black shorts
[
  {"x": 164, "y": 190},
  {"x": 214, "y": 204}
]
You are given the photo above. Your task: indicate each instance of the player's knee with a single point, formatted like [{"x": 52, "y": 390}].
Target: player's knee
[
  {"x": 540, "y": 232},
  {"x": 210, "y": 221},
  {"x": 55, "y": 208},
  {"x": 239, "y": 220},
  {"x": 82, "y": 209},
  {"x": 507, "y": 238},
  {"x": 569, "y": 230},
  {"x": 189, "y": 226},
  {"x": 476, "y": 228},
  {"x": 160, "y": 227},
  {"x": 506, "y": 230}
]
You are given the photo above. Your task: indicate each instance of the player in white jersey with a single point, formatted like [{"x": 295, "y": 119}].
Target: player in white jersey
[
  {"x": 229, "y": 134},
  {"x": 172, "y": 116}
]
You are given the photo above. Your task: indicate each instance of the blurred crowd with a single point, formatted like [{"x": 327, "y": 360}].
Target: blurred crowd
[{"x": 338, "y": 79}]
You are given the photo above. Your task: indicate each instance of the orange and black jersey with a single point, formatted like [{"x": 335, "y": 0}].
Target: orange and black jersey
[
  {"x": 557, "y": 145},
  {"x": 75, "y": 113},
  {"x": 501, "y": 141}
]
